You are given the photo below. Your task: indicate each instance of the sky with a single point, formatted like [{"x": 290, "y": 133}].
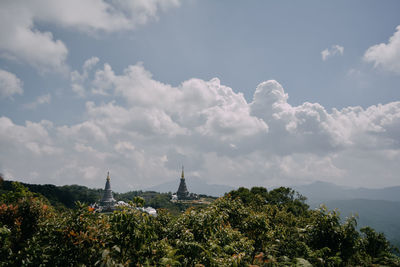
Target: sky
[{"x": 259, "y": 93}]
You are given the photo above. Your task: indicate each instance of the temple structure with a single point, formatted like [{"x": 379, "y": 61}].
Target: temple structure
[
  {"x": 109, "y": 204},
  {"x": 182, "y": 192},
  {"x": 107, "y": 201}
]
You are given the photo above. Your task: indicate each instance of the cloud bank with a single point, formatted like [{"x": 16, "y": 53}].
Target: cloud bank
[
  {"x": 22, "y": 41},
  {"x": 142, "y": 130}
]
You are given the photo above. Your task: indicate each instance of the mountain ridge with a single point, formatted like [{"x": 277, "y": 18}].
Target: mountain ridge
[{"x": 319, "y": 190}]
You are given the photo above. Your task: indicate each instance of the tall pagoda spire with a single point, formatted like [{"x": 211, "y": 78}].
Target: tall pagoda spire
[
  {"x": 182, "y": 193},
  {"x": 107, "y": 200}
]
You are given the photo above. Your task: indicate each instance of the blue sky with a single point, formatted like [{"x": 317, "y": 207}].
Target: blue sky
[{"x": 146, "y": 100}]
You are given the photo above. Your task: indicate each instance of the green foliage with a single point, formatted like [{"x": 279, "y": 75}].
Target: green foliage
[
  {"x": 65, "y": 197},
  {"x": 60, "y": 196},
  {"x": 376, "y": 247},
  {"x": 282, "y": 197},
  {"x": 245, "y": 227},
  {"x": 138, "y": 201},
  {"x": 155, "y": 200},
  {"x": 21, "y": 213}
]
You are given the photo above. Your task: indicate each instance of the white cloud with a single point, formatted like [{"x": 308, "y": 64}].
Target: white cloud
[
  {"x": 9, "y": 84},
  {"x": 122, "y": 146},
  {"x": 90, "y": 172},
  {"x": 78, "y": 80},
  {"x": 84, "y": 132},
  {"x": 386, "y": 56},
  {"x": 209, "y": 108},
  {"x": 333, "y": 51},
  {"x": 33, "y": 138},
  {"x": 95, "y": 15},
  {"x": 22, "y": 41},
  {"x": 150, "y": 128},
  {"x": 40, "y": 100}
]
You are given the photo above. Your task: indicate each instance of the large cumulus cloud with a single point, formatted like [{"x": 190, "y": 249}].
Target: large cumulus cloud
[{"x": 142, "y": 130}]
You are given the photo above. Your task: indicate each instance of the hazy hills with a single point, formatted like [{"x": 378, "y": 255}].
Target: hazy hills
[
  {"x": 378, "y": 208},
  {"x": 324, "y": 191}
]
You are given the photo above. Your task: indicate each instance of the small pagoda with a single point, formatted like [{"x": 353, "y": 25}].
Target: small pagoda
[
  {"x": 107, "y": 201},
  {"x": 183, "y": 193},
  {"x": 109, "y": 204}
]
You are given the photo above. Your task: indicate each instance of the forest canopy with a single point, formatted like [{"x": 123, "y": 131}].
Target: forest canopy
[{"x": 246, "y": 226}]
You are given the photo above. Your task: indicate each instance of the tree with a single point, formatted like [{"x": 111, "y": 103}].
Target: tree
[{"x": 138, "y": 201}]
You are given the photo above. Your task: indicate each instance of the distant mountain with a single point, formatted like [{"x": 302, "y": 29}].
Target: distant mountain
[
  {"x": 324, "y": 191},
  {"x": 378, "y": 208},
  {"x": 194, "y": 186},
  {"x": 382, "y": 215}
]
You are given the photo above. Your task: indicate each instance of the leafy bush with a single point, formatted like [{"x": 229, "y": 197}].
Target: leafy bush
[{"x": 242, "y": 228}]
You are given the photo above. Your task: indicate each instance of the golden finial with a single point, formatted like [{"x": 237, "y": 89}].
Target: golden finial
[
  {"x": 108, "y": 176},
  {"x": 183, "y": 175}
]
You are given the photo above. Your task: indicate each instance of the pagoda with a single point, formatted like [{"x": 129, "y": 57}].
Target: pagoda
[
  {"x": 107, "y": 201},
  {"x": 182, "y": 193}
]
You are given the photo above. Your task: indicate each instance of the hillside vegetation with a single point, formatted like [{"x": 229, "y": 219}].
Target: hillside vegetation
[
  {"x": 63, "y": 197},
  {"x": 244, "y": 227},
  {"x": 378, "y": 208}
]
